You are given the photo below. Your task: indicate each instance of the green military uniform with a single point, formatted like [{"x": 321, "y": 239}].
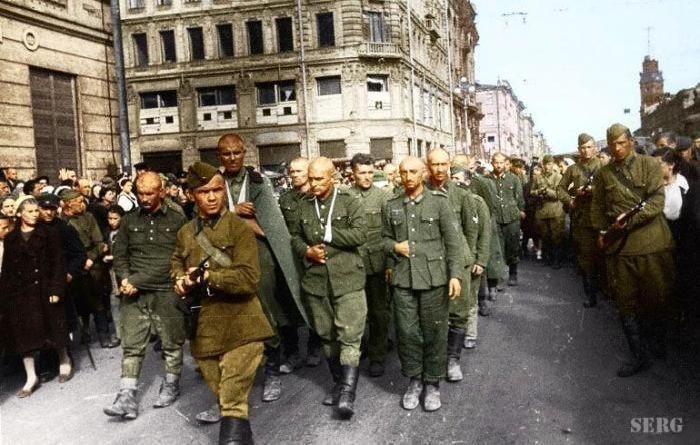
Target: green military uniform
[
  {"x": 378, "y": 308},
  {"x": 142, "y": 250},
  {"x": 549, "y": 214},
  {"x": 334, "y": 291},
  {"x": 289, "y": 204},
  {"x": 640, "y": 267},
  {"x": 506, "y": 212},
  {"x": 232, "y": 326},
  {"x": 577, "y": 177},
  {"x": 486, "y": 189},
  {"x": 421, "y": 308}
]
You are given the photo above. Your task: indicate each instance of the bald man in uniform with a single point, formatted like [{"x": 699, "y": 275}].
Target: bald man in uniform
[{"x": 327, "y": 236}]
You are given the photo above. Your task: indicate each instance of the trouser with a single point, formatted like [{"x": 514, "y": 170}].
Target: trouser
[
  {"x": 459, "y": 307},
  {"x": 340, "y": 322},
  {"x": 114, "y": 303},
  {"x": 421, "y": 318},
  {"x": 230, "y": 377},
  {"x": 86, "y": 295},
  {"x": 378, "y": 317},
  {"x": 473, "y": 316},
  {"x": 552, "y": 230},
  {"x": 510, "y": 241},
  {"x": 496, "y": 267},
  {"x": 138, "y": 315}
]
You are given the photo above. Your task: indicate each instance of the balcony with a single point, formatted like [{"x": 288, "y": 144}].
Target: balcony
[{"x": 380, "y": 49}]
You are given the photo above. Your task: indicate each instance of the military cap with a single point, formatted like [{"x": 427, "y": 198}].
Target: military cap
[
  {"x": 584, "y": 138},
  {"x": 69, "y": 194},
  {"x": 49, "y": 201},
  {"x": 199, "y": 174},
  {"x": 456, "y": 169},
  {"x": 683, "y": 143},
  {"x": 547, "y": 159},
  {"x": 379, "y": 176},
  {"x": 615, "y": 131}
]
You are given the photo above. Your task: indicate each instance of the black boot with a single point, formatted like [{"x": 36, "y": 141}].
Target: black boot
[
  {"x": 107, "y": 340},
  {"x": 513, "y": 274},
  {"x": 455, "y": 340},
  {"x": 290, "y": 347},
  {"x": 348, "y": 381},
  {"x": 484, "y": 309},
  {"x": 590, "y": 291},
  {"x": 557, "y": 257},
  {"x": 336, "y": 373},
  {"x": 313, "y": 349},
  {"x": 235, "y": 431},
  {"x": 640, "y": 361},
  {"x": 653, "y": 334}
]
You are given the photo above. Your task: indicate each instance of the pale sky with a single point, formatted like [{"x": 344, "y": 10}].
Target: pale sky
[{"x": 575, "y": 64}]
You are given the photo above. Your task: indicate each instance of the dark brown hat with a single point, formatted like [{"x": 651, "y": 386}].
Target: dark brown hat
[{"x": 199, "y": 174}]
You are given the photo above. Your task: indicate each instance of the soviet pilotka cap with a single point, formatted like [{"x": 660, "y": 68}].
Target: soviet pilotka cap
[
  {"x": 69, "y": 194},
  {"x": 199, "y": 174},
  {"x": 584, "y": 138},
  {"x": 615, "y": 131}
]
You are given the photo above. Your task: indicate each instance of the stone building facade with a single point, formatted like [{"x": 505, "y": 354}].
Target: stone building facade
[
  {"x": 197, "y": 69},
  {"x": 57, "y": 100}
]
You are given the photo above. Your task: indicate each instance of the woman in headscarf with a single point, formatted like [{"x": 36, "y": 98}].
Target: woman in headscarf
[
  {"x": 126, "y": 199},
  {"x": 32, "y": 291}
]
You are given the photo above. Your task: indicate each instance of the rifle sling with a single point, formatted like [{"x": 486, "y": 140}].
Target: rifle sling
[{"x": 216, "y": 254}]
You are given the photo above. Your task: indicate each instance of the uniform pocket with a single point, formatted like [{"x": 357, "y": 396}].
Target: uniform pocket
[
  {"x": 429, "y": 228},
  {"x": 437, "y": 269}
]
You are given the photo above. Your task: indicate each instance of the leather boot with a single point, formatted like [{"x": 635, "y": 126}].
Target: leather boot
[
  {"x": 346, "y": 402},
  {"x": 640, "y": 361},
  {"x": 336, "y": 373},
  {"x": 431, "y": 400},
  {"x": 411, "y": 397},
  {"x": 484, "y": 310},
  {"x": 590, "y": 292},
  {"x": 558, "y": 257},
  {"x": 107, "y": 340},
  {"x": 125, "y": 405},
  {"x": 455, "y": 339},
  {"x": 272, "y": 386},
  {"x": 513, "y": 274},
  {"x": 169, "y": 391},
  {"x": 235, "y": 431},
  {"x": 313, "y": 350},
  {"x": 290, "y": 346},
  {"x": 212, "y": 415}
]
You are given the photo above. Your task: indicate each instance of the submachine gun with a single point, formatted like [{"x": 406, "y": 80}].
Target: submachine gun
[{"x": 191, "y": 303}]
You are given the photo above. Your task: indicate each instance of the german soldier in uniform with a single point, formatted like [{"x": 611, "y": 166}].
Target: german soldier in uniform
[
  {"x": 509, "y": 209},
  {"x": 639, "y": 260},
  {"x": 575, "y": 191},
  {"x": 229, "y": 337},
  {"x": 549, "y": 214},
  {"x": 142, "y": 250},
  {"x": 328, "y": 234},
  {"x": 425, "y": 255}
]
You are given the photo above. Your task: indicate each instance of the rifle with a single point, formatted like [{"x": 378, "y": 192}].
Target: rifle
[
  {"x": 192, "y": 302},
  {"x": 611, "y": 235},
  {"x": 586, "y": 186}
]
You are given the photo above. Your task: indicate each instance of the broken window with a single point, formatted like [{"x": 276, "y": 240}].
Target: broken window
[
  {"x": 196, "y": 43},
  {"x": 159, "y": 99},
  {"x": 225, "y": 32},
  {"x": 326, "y": 31},
  {"x": 377, "y": 83},
  {"x": 378, "y": 31},
  {"x": 224, "y": 95},
  {"x": 287, "y": 92},
  {"x": 270, "y": 93},
  {"x": 167, "y": 39},
  {"x": 165, "y": 2},
  {"x": 266, "y": 94},
  {"x": 255, "y": 37},
  {"x": 285, "y": 37},
  {"x": 328, "y": 85},
  {"x": 141, "y": 49}
]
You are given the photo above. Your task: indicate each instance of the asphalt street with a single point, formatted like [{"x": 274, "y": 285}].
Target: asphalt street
[{"x": 543, "y": 373}]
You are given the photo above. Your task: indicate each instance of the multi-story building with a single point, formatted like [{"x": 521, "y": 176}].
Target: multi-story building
[
  {"x": 57, "y": 100},
  {"x": 348, "y": 80}
]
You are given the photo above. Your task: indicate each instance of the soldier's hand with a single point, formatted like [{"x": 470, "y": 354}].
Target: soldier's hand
[
  {"x": 387, "y": 276},
  {"x": 88, "y": 264},
  {"x": 455, "y": 288},
  {"x": 402, "y": 249},
  {"x": 477, "y": 270},
  {"x": 53, "y": 299},
  {"x": 69, "y": 278},
  {"x": 600, "y": 242},
  {"x": 522, "y": 215},
  {"x": 127, "y": 288},
  {"x": 618, "y": 224},
  {"x": 180, "y": 287},
  {"x": 316, "y": 254},
  {"x": 245, "y": 209}
]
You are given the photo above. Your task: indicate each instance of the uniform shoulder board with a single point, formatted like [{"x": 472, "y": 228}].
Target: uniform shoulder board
[
  {"x": 462, "y": 186},
  {"x": 438, "y": 193},
  {"x": 254, "y": 175}
]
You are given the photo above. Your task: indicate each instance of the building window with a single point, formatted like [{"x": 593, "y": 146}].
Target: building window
[
  {"x": 270, "y": 93},
  {"x": 378, "y": 31},
  {"x": 167, "y": 40},
  {"x": 196, "y": 43},
  {"x": 377, "y": 83},
  {"x": 225, "y": 95},
  {"x": 141, "y": 49},
  {"x": 332, "y": 149},
  {"x": 285, "y": 37},
  {"x": 164, "y": 2},
  {"x": 137, "y": 4},
  {"x": 159, "y": 99},
  {"x": 326, "y": 31},
  {"x": 491, "y": 139},
  {"x": 225, "y": 33},
  {"x": 328, "y": 85},
  {"x": 255, "y": 37}
]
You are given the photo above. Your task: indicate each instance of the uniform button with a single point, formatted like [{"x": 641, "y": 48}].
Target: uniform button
[
  {"x": 413, "y": 216},
  {"x": 323, "y": 206},
  {"x": 36, "y": 270},
  {"x": 150, "y": 238},
  {"x": 413, "y": 255},
  {"x": 151, "y": 230},
  {"x": 413, "y": 229},
  {"x": 151, "y": 222},
  {"x": 36, "y": 282}
]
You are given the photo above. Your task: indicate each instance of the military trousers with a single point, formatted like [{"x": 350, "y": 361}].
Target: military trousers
[
  {"x": 230, "y": 377},
  {"x": 473, "y": 315},
  {"x": 140, "y": 314},
  {"x": 495, "y": 269},
  {"x": 340, "y": 322},
  {"x": 509, "y": 235},
  {"x": 551, "y": 230},
  {"x": 641, "y": 284},
  {"x": 378, "y": 317},
  {"x": 421, "y": 318},
  {"x": 588, "y": 256},
  {"x": 459, "y": 307}
]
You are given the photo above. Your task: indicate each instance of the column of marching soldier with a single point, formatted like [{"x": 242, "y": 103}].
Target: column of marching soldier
[{"x": 429, "y": 251}]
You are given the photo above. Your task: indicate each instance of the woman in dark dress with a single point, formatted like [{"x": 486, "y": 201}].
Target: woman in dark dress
[{"x": 32, "y": 289}]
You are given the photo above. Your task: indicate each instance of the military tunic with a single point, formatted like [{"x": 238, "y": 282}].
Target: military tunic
[
  {"x": 372, "y": 252},
  {"x": 486, "y": 189},
  {"x": 506, "y": 212},
  {"x": 142, "y": 250},
  {"x": 640, "y": 265},
  {"x": 421, "y": 303},
  {"x": 232, "y": 325},
  {"x": 549, "y": 215},
  {"x": 289, "y": 204},
  {"x": 334, "y": 291}
]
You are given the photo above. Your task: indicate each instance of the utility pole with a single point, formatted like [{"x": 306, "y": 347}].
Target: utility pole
[{"x": 124, "y": 142}]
